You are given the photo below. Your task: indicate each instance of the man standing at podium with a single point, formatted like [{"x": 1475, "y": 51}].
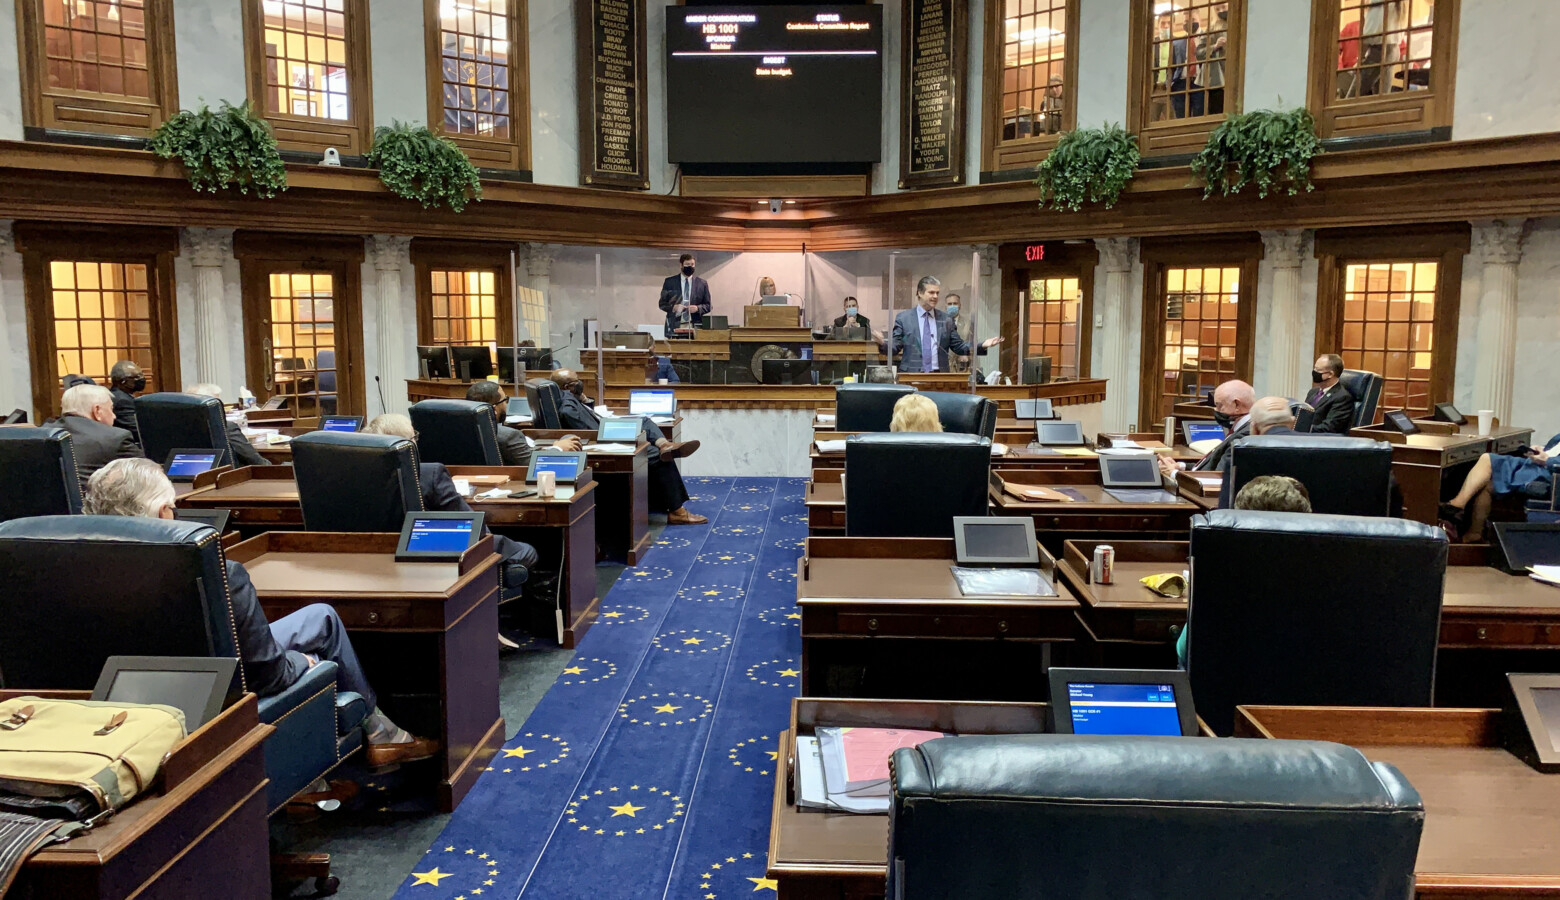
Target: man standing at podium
[
  {"x": 925, "y": 334},
  {"x": 685, "y": 298}
]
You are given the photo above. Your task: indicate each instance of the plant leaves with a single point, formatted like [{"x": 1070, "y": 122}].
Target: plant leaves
[
  {"x": 1087, "y": 165},
  {"x": 231, "y": 147},
  {"x": 420, "y": 165}
]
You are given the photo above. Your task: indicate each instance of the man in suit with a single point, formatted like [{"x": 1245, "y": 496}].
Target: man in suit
[
  {"x": 126, "y": 380},
  {"x": 667, "y": 491},
  {"x": 243, "y": 452},
  {"x": 87, "y": 412},
  {"x": 954, "y": 306},
  {"x": 514, "y": 448},
  {"x": 274, "y": 654},
  {"x": 685, "y": 298},
  {"x": 853, "y": 316},
  {"x": 925, "y": 334},
  {"x": 1332, "y": 401},
  {"x": 1232, "y": 402}
]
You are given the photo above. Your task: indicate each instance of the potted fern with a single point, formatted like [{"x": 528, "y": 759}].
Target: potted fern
[
  {"x": 231, "y": 147},
  {"x": 420, "y": 165},
  {"x": 1265, "y": 147},
  {"x": 1088, "y": 165}
]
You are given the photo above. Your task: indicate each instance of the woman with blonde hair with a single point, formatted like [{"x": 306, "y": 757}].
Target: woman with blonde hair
[{"x": 914, "y": 412}]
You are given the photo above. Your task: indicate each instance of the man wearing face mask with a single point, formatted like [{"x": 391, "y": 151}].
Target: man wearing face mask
[
  {"x": 667, "y": 491},
  {"x": 1232, "y": 402},
  {"x": 685, "y": 298},
  {"x": 852, "y": 316},
  {"x": 125, "y": 380},
  {"x": 955, "y": 306},
  {"x": 1332, "y": 401}
]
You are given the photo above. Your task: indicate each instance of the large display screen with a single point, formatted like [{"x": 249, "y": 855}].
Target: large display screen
[{"x": 774, "y": 84}]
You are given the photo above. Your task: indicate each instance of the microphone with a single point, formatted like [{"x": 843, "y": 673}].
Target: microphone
[{"x": 383, "y": 407}]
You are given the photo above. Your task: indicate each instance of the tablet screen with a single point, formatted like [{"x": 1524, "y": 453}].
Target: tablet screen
[
  {"x": 1059, "y": 432},
  {"x": 188, "y": 465},
  {"x": 341, "y": 424},
  {"x": 652, "y": 403},
  {"x": 1123, "y": 709},
  {"x": 1203, "y": 431},
  {"x": 184, "y": 691},
  {"x": 1547, "y": 702},
  {"x": 518, "y": 406},
  {"x": 995, "y": 540},
  {"x": 566, "y": 468},
  {"x": 1129, "y": 471},
  {"x": 625, "y": 430},
  {"x": 439, "y": 535}
]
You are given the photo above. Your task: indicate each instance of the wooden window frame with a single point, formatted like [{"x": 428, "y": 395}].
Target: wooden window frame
[
  {"x": 1179, "y": 135},
  {"x": 259, "y": 255},
  {"x": 57, "y": 109},
  {"x": 513, "y": 152},
  {"x": 1022, "y": 153},
  {"x": 1385, "y": 113},
  {"x": 428, "y": 255},
  {"x": 351, "y": 136},
  {"x": 1336, "y": 249},
  {"x": 1241, "y": 251},
  {"x": 1063, "y": 260},
  {"x": 43, "y": 243}
]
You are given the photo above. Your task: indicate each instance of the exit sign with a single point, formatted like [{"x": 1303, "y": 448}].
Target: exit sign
[{"x": 1034, "y": 252}]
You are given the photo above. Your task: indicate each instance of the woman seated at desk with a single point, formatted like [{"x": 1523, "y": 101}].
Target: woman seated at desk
[
  {"x": 1497, "y": 473},
  {"x": 913, "y": 412}
]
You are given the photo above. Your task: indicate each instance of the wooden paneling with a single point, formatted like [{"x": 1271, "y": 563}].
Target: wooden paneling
[
  {"x": 513, "y": 152},
  {"x": 313, "y": 134},
  {"x": 934, "y": 42},
  {"x": 1178, "y": 135},
  {"x": 610, "y": 61},
  {"x": 1076, "y": 260},
  {"x": 1417, "y": 110},
  {"x": 764, "y": 186},
  {"x": 62, "y": 109},
  {"x": 1022, "y": 153}
]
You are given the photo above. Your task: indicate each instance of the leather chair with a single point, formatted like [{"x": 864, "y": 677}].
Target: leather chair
[
  {"x": 1292, "y": 609},
  {"x": 545, "y": 397},
  {"x": 80, "y": 589},
  {"x": 37, "y": 473},
  {"x": 456, "y": 432},
  {"x": 169, "y": 421},
  {"x": 866, "y": 407},
  {"x": 913, "y": 484},
  {"x": 355, "y": 482},
  {"x": 1037, "y": 817},
  {"x": 325, "y": 365},
  {"x": 964, "y": 413},
  {"x": 1345, "y": 476},
  {"x": 1365, "y": 388},
  {"x": 1305, "y": 415}
]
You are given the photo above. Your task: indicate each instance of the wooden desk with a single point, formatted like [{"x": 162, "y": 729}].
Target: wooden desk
[
  {"x": 203, "y": 825},
  {"x": 839, "y": 856},
  {"x": 622, "y": 500},
  {"x": 424, "y": 632},
  {"x": 877, "y": 611},
  {"x": 262, "y": 498},
  {"x": 825, "y": 501},
  {"x": 1099, "y": 515},
  {"x": 1201, "y": 489},
  {"x": 1422, "y": 462},
  {"x": 1491, "y": 830}
]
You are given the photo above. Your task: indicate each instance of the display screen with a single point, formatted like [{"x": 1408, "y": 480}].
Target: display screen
[
  {"x": 439, "y": 536},
  {"x": 348, "y": 424},
  {"x": 184, "y": 691},
  {"x": 1547, "y": 702},
  {"x": 1130, "y": 471},
  {"x": 518, "y": 406},
  {"x": 774, "y": 84},
  {"x": 567, "y": 468},
  {"x": 996, "y": 541},
  {"x": 618, "y": 429},
  {"x": 1123, "y": 709},
  {"x": 1032, "y": 409},
  {"x": 1203, "y": 432},
  {"x": 1059, "y": 432},
  {"x": 652, "y": 403},
  {"x": 188, "y": 465}
]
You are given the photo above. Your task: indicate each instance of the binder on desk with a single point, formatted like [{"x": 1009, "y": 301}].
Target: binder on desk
[{"x": 1035, "y": 493}]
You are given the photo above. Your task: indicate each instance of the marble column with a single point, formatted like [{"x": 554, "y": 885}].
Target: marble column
[
  {"x": 1498, "y": 245},
  {"x": 10, "y": 393},
  {"x": 1115, "y": 304},
  {"x": 208, "y": 250},
  {"x": 389, "y": 253},
  {"x": 538, "y": 260},
  {"x": 1283, "y": 251}
]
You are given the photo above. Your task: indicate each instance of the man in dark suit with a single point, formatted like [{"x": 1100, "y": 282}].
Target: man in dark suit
[
  {"x": 514, "y": 448},
  {"x": 88, "y": 414},
  {"x": 853, "y": 316},
  {"x": 274, "y": 654},
  {"x": 1232, "y": 402},
  {"x": 243, "y": 452},
  {"x": 925, "y": 334},
  {"x": 126, "y": 380},
  {"x": 685, "y": 298},
  {"x": 1332, "y": 401},
  {"x": 667, "y": 491}
]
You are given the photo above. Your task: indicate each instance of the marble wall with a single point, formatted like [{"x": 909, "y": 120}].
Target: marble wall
[
  {"x": 748, "y": 442},
  {"x": 15, "y": 371},
  {"x": 1536, "y": 394}
]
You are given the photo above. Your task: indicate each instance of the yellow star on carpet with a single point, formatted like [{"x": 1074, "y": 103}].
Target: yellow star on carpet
[
  {"x": 723, "y": 558},
  {"x": 712, "y": 593},
  {"x": 773, "y": 755},
  {"x": 692, "y": 641},
  {"x": 627, "y": 809},
  {"x": 793, "y": 615},
  {"x": 431, "y": 876},
  {"x": 482, "y": 856},
  {"x": 760, "y": 884},
  {"x": 449, "y": 849},
  {"x": 667, "y": 708},
  {"x": 470, "y": 852},
  {"x": 641, "y": 574},
  {"x": 518, "y": 751},
  {"x": 574, "y": 670},
  {"x": 611, "y": 615},
  {"x": 789, "y": 673}
]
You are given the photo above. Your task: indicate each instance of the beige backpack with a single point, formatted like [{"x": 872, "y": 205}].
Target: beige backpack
[{"x": 54, "y": 748}]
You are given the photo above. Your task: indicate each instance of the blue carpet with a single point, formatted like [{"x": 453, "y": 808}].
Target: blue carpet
[{"x": 648, "y": 768}]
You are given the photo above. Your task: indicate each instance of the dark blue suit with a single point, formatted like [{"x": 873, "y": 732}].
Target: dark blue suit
[
  {"x": 672, "y": 297},
  {"x": 907, "y": 338}
]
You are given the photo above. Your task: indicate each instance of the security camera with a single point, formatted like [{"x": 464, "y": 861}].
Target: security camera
[
  {"x": 332, "y": 157},
  {"x": 776, "y": 205}
]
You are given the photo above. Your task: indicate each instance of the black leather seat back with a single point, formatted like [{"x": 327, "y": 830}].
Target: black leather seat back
[
  {"x": 1345, "y": 476},
  {"x": 1365, "y": 387},
  {"x": 545, "y": 397},
  {"x": 913, "y": 484},
  {"x": 355, "y": 482},
  {"x": 37, "y": 473},
  {"x": 79, "y": 589},
  {"x": 867, "y": 407},
  {"x": 170, "y": 421},
  {"x": 456, "y": 432},
  {"x": 964, "y": 413},
  {"x": 1047, "y": 816},
  {"x": 1292, "y": 609}
]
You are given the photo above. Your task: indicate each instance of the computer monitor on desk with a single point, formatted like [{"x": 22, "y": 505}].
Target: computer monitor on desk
[
  {"x": 471, "y": 363},
  {"x": 715, "y": 323},
  {"x": 1037, "y": 370},
  {"x": 787, "y": 371},
  {"x": 538, "y": 358},
  {"x": 433, "y": 362}
]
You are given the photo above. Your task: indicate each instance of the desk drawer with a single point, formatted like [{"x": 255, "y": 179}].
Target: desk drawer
[
  {"x": 1510, "y": 443},
  {"x": 1499, "y": 634},
  {"x": 376, "y": 614},
  {"x": 981, "y": 625},
  {"x": 1458, "y": 455},
  {"x": 830, "y": 517}
]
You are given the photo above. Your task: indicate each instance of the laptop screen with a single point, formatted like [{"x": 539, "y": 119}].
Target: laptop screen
[
  {"x": 1123, "y": 709},
  {"x": 188, "y": 465},
  {"x": 184, "y": 691},
  {"x": 346, "y": 423},
  {"x": 652, "y": 403},
  {"x": 439, "y": 535}
]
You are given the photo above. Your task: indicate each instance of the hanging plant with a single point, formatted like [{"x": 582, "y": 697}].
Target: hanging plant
[
  {"x": 231, "y": 147},
  {"x": 1087, "y": 165},
  {"x": 419, "y": 165},
  {"x": 1264, "y": 147}
]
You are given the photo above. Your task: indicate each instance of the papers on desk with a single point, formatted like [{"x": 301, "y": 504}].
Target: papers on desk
[
  {"x": 1204, "y": 447},
  {"x": 1122, "y": 447},
  {"x": 846, "y": 769},
  {"x": 830, "y": 446},
  {"x": 663, "y": 420},
  {"x": 826, "y": 418},
  {"x": 1546, "y": 574},
  {"x": 997, "y": 582},
  {"x": 517, "y": 420},
  {"x": 1034, "y": 493},
  {"x": 494, "y": 494},
  {"x": 462, "y": 487},
  {"x": 1075, "y": 451},
  {"x": 999, "y": 450},
  {"x": 625, "y": 449}
]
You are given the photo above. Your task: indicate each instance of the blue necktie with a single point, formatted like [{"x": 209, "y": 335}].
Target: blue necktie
[{"x": 928, "y": 346}]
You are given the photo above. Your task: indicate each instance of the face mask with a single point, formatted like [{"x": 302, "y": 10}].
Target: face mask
[
  {"x": 953, "y": 310},
  {"x": 1223, "y": 418},
  {"x": 137, "y": 384},
  {"x": 1317, "y": 377},
  {"x": 687, "y": 270},
  {"x": 850, "y": 310}
]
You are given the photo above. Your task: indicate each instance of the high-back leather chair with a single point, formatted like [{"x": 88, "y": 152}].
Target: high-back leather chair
[
  {"x": 964, "y": 413},
  {"x": 325, "y": 366},
  {"x": 355, "y": 482},
  {"x": 79, "y": 589},
  {"x": 913, "y": 484},
  {"x": 545, "y": 397},
  {"x": 456, "y": 432},
  {"x": 1037, "y": 817},
  {"x": 1345, "y": 476},
  {"x": 1290, "y": 609},
  {"x": 170, "y": 421},
  {"x": 867, "y": 407},
  {"x": 1365, "y": 388},
  {"x": 37, "y": 473}
]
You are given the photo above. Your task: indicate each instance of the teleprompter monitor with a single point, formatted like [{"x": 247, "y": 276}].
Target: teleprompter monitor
[
  {"x": 1194, "y": 431},
  {"x": 1123, "y": 701},
  {"x": 566, "y": 466},
  {"x": 183, "y": 464},
  {"x": 1033, "y": 409},
  {"x": 437, "y": 536},
  {"x": 787, "y": 371},
  {"x": 194, "y": 685},
  {"x": 1400, "y": 421},
  {"x": 1037, "y": 370},
  {"x": 995, "y": 541},
  {"x": 1530, "y": 720},
  {"x": 519, "y": 407},
  {"x": 1448, "y": 413},
  {"x": 216, "y": 518},
  {"x": 1516, "y": 545}
]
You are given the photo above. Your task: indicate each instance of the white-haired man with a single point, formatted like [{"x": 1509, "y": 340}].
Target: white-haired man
[
  {"x": 87, "y": 412},
  {"x": 274, "y": 654}
]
